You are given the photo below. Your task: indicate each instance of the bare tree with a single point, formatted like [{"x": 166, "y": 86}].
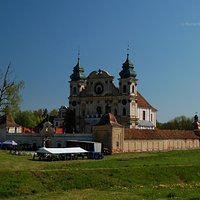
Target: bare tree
[{"x": 10, "y": 97}]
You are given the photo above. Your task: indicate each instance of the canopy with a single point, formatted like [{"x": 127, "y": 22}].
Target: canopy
[
  {"x": 45, "y": 150},
  {"x": 10, "y": 142}
]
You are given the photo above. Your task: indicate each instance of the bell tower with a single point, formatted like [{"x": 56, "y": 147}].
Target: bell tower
[
  {"x": 77, "y": 83},
  {"x": 77, "y": 86},
  {"x": 128, "y": 93}
]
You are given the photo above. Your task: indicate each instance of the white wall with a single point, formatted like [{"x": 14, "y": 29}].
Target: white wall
[{"x": 148, "y": 113}]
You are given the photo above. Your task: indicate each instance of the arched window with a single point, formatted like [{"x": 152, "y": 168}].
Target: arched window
[
  {"x": 124, "y": 88},
  {"x": 143, "y": 115},
  {"x": 74, "y": 90},
  {"x": 74, "y": 113},
  {"x": 124, "y": 111},
  {"x": 99, "y": 111},
  {"x": 133, "y": 89},
  {"x": 115, "y": 112}
]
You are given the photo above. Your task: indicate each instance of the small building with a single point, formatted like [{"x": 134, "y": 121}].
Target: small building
[{"x": 8, "y": 126}]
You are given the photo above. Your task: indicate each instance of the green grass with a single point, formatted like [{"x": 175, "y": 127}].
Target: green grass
[{"x": 149, "y": 175}]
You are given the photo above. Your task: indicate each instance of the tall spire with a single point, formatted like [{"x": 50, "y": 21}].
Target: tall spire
[
  {"x": 128, "y": 50},
  {"x": 79, "y": 54},
  {"x": 78, "y": 71}
]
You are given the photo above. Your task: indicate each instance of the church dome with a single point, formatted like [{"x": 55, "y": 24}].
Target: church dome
[
  {"x": 127, "y": 69},
  {"x": 78, "y": 72}
]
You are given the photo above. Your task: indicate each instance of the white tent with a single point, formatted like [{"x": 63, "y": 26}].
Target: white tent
[
  {"x": 72, "y": 150},
  {"x": 10, "y": 142}
]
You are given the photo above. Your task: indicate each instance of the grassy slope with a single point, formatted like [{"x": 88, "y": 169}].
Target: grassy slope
[{"x": 152, "y": 175}]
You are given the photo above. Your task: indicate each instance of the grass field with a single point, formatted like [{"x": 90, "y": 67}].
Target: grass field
[{"x": 150, "y": 175}]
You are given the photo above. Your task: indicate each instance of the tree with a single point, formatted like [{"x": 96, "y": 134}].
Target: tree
[
  {"x": 26, "y": 119},
  {"x": 10, "y": 97},
  {"x": 39, "y": 114},
  {"x": 178, "y": 123},
  {"x": 53, "y": 113},
  {"x": 45, "y": 113},
  {"x": 31, "y": 119}
]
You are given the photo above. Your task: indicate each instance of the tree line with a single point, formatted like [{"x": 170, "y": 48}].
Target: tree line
[
  {"x": 178, "y": 123},
  {"x": 31, "y": 119}
]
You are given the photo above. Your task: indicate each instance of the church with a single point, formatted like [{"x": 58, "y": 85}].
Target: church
[{"x": 96, "y": 94}]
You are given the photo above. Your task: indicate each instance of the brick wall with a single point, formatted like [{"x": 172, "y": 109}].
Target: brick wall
[{"x": 160, "y": 145}]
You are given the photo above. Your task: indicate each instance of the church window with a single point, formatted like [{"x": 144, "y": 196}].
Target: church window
[
  {"x": 124, "y": 111},
  {"x": 124, "y": 88},
  {"x": 124, "y": 102},
  {"x": 83, "y": 113},
  {"x": 99, "y": 112},
  {"x": 74, "y": 90},
  {"x": 74, "y": 112},
  {"x": 151, "y": 117},
  {"x": 99, "y": 88},
  {"x": 143, "y": 115},
  {"x": 133, "y": 89},
  {"x": 73, "y": 103}
]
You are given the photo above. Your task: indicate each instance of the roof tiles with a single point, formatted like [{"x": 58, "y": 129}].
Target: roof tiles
[
  {"x": 158, "y": 134},
  {"x": 142, "y": 102}
]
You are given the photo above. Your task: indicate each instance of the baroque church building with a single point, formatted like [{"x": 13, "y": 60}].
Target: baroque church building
[{"x": 95, "y": 95}]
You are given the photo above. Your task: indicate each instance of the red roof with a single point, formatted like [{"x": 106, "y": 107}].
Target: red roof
[
  {"x": 147, "y": 134},
  {"x": 8, "y": 121},
  {"x": 142, "y": 102}
]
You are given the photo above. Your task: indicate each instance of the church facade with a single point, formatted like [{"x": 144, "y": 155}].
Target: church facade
[{"x": 94, "y": 95}]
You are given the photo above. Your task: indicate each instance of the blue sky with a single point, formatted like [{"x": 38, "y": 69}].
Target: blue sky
[{"x": 41, "y": 39}]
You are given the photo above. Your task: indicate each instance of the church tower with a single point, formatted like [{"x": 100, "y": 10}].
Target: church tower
[
  {"x": 77, "y": 86},
  {"x": 128, "y": 93},
  {"x": 77, "y": 83}
]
